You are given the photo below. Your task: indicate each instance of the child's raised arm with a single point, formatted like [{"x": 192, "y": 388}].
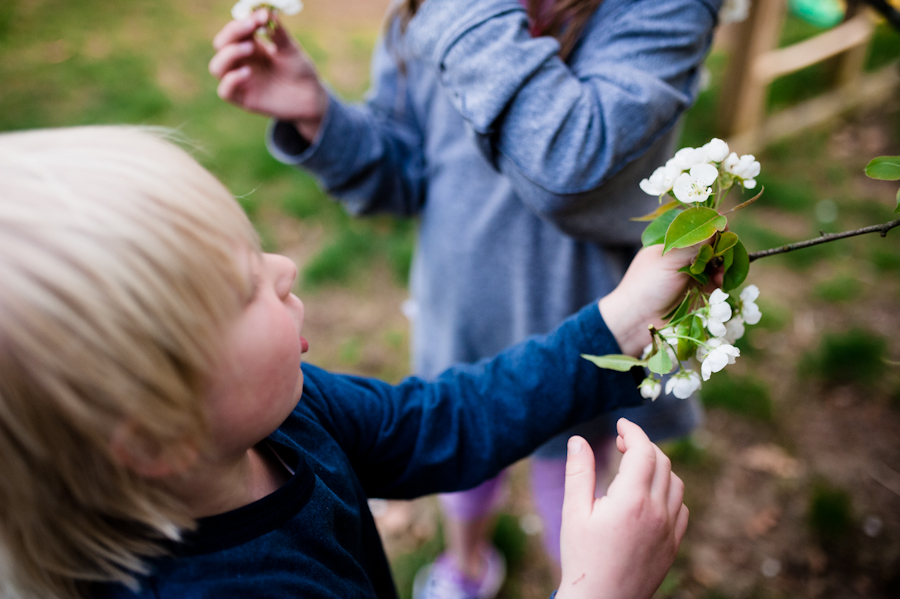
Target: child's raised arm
[{"x": 621, "y": 545}]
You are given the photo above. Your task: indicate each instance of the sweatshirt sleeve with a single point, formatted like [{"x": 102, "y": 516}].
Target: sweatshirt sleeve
[
  {"x": 561, "y": 130},
  {"x": 473, "y": 420},
  {"x": 368, "y": 155}
]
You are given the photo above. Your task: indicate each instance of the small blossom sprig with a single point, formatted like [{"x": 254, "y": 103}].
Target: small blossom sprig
[
  {"x": 699, "y": 335},
  {"x": 701, "y": 332},
  {"x": 245, "y": 8}
]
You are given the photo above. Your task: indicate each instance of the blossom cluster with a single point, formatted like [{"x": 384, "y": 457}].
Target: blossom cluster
[
  {"x": 692, "y": 172},
  {"x": 245, "y": 8},
  {"x": 706, "y": 343}
]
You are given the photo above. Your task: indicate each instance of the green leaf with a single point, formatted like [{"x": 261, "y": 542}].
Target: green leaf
[
  {"x": 660, "y": 362},
  {"x": 618, "y": 362},
  {"x": 682, "y": 309},
  {"x": 698, "y": 331},
  {"x": 897, "y": 209},
  {"x": 655, "y": 232},
  {"x": 703, "y": 256},
  {"x": 738, "y": 269},
  {"x": 700, "y": 277},
  {"x": 727, "y": 259},
  {"x": 685, "y": 348},
  {"x": 886, "y": 168},
  {"x": 743, "y": 205},
  {"x": 658, "y": 212},
  {"x": 693, "y": 226},
  {"x": 727, "y": 240}
]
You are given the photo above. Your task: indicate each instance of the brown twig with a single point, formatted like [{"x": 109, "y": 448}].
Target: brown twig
[{"x": 826, "y": 237}]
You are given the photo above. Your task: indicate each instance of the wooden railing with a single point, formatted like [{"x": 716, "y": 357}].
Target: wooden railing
[{"x": 755, "y": 61}]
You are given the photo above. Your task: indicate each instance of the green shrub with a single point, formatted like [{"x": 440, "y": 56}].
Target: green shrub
[
  {"x": 842, "y": 288},
  {"x": 746, "y": 395},
  {"x": 830, "y": 512},
  {"x": 774, "y": 315},
  {"x": 510, "y": 539},
  {"x": 792, "y": 195},
  {"x": 684, "y": 451},
  {"x": 856, "y": 356}
]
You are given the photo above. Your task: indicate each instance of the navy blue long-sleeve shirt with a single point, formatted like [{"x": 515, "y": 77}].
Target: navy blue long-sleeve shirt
[{"x": 351, "y": 438}]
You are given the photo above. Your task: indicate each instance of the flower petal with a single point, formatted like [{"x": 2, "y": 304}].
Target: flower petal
[{"x": 704, "y": 175}]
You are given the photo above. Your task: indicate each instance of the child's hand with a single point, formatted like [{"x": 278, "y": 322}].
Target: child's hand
[
  {"x": 620, "y": 546},
  {"x": 272, "y": 78},
  {"x": 650, "y": 288}
]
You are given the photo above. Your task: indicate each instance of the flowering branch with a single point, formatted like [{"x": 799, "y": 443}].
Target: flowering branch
[{"x": 826, "y": 237}]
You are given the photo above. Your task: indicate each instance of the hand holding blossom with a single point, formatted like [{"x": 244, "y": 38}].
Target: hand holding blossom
[
  {"x": 700, "y": 333},
  {"x": 273, "y": 76}
]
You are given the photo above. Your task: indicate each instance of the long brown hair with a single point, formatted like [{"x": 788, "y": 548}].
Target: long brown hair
[{"x": 565, "y": 19}]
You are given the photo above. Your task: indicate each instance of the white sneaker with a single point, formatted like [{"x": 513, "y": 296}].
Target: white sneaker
[{"x": 442, "y": 579}]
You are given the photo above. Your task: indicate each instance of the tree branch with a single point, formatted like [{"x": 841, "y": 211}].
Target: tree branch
[{"x": 882, "y": 229}]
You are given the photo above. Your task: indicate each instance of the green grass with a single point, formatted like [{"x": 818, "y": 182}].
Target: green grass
[
  {"x": 743, "y": 395},
  {"x": 855, "y": 356},
  {"x": 684, "y": 452},
  {"x": 830, "y": 512},
  {"x": 774, "y": 316},
  {"x": 840, "y": 289}
]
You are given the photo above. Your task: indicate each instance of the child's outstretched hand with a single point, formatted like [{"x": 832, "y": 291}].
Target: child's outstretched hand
[
  {"x": 274, "y": 78},
  {"x": 623, "y": 544},
  {"x": 650, "y": 288}
]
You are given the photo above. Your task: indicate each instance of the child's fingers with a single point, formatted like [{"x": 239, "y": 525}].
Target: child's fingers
[
  {"x": 229, "y": 86},
  {"x": 227, "y": 58},
  {"x": 676, "y": 494},
  {"x": 279, "y": 35},
  {"x": 581, "y": 479},
  {"x": 235, "y": 31},
  {"x": 681, "y": 524},
  {"x": 639, "y": 460},
  {"x": 662, "y": 477}
]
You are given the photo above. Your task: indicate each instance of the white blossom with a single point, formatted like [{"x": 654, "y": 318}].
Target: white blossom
[
  {"x": 695, "y": 187},
  {"x": 749, "y": 310},
  {"x": 683, "y": 384},
  {"x": 686, "y": 158},
  {"x": 716, "y": 150},
  {"x": 661, "y": 180},
  {"x": 650, "y": 388},
  {"x": 734, "y": 329},
  {"x": 734, "y": 11},
  {"x": 716, "y": 356},
  {"x": 718, "y": 312},
  {"x": 746, "y": 168},
  {"x": 245, "y": 8}
]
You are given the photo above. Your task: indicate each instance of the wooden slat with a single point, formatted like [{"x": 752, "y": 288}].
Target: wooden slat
[{"x": 846, "y": 36}]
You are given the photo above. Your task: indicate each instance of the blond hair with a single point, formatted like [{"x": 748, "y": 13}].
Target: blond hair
[{"x": 118, "y": 277}]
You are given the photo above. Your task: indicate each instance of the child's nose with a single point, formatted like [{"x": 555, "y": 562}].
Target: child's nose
[{"x": 285, "y": 273}]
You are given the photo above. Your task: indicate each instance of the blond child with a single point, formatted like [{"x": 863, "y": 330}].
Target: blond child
[{"x": 160, "y": 438}]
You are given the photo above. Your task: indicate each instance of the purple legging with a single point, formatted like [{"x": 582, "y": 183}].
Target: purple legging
[{"x": 548, "y": 478}]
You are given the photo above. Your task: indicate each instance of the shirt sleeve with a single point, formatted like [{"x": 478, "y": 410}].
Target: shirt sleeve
[
  {"x": 560, "y": 130},
  {"x": 369, "y": 155},
  {"x": 473, "y": 420}
]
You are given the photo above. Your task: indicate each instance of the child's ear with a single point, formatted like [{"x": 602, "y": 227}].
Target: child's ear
[{"x": 138, "y": 451}]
